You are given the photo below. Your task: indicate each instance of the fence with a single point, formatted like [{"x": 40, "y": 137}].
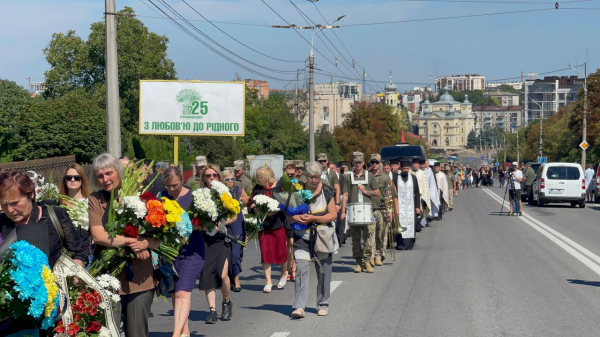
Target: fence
[{"x": 49, "y": 167}]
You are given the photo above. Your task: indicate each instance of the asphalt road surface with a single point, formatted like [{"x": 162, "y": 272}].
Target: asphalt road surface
[{"x": 475, "y": 273}]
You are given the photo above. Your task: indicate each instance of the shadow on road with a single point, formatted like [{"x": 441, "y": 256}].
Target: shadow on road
[
  {"x": 338, "y": 269},
  {"x": 284, "y": 309},
  {"x": 585, "y": 283},
  {"x": 168, "y": 334}
]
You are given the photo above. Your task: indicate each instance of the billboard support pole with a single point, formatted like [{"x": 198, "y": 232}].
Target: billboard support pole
[{"x": 176, "y": 150}]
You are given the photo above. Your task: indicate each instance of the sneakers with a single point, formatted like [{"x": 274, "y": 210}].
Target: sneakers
[
  {"x": 511, "y": 213},
  {"x": 226, "y": 312},
  {"x": 520, "y": 213},
  {"x": 322, "y": 312},
  {"x": 378, "y": 261},
  {"x": 212, "y": 317}
]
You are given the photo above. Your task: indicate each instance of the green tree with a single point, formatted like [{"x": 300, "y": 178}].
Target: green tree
[
  {"x": 76, "y": 63},
  {"x": 475, "y": 96},
  {"x": 509, "y": 88},
  {"x": 13, "y": 98},
  {"x": 325, "y": 142},
  {"x": 472, "y": 140},
  {"x": 75, "y": 124},
  {"x": 367, "y": 128}
]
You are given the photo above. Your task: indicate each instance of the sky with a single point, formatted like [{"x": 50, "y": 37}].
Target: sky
[{"x": 498, "y": 46}]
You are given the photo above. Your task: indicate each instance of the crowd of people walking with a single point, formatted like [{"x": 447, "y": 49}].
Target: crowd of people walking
[{"x": 378, "y": 205}]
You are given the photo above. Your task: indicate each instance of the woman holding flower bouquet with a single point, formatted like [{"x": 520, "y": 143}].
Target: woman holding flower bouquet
[
  {"x": 137, "y": 292},
  {"x": 322, "y": 212},
  {"x": 17, "y": 193},
  {"x": 272, "y": 238},
  {"x": 190, "y": 261},
  {"x": 238, "y": 230},
  {"x": 215, "y": 273}
]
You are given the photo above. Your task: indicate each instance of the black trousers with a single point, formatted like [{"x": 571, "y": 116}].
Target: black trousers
[{"x": 136, "y": 311}]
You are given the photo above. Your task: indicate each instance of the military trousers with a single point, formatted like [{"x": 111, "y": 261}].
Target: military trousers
[
  {"x": 382, "y": 228},
  {"x": 360, "y": 234}
]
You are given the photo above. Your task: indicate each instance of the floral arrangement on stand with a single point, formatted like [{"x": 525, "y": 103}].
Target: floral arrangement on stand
[
  {"x": 139, "y": 213},
  {"x": 27, "y": 286},
  {"x": 294, "y": 200},
  {"x": 43, "y": 190},
  {"x": 212, "y": 206},
  {"x": 88, "y": 308}
]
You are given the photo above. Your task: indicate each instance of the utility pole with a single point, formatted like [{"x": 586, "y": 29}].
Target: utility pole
[
  {"x": 584, "y": 127},
  {"x": 518, "y": 154},
  {"x": 363, "y": 84},
  {"x": 311, "y": 112},
  {"x": 296, "y": 112},
  {"x": 541, "y": 122},
  {"x": 113, "y": 114}
]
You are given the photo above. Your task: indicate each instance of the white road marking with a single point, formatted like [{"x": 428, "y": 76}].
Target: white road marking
[
  {"x": 561, "y": 240},
  {"x": 334, "y": 285},
  {"x": 280, "y": 334}
]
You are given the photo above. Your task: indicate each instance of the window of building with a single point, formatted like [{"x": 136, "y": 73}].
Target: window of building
[{"x": 325, "y": 115}]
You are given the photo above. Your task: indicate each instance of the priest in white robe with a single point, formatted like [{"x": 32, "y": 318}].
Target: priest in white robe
[
  {"x": 425, "y": 202},
  {"x": 434, "y": 195},
  {"x": 442, "y": 183},
  {"x": 409, "y": 205}
]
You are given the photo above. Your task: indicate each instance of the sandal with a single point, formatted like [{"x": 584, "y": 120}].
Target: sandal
[
  {"x": 293, "y": 275},
  {"x": 282, "y": 282},
  {"x": 267, "y": 288},
  {"x": 288, "y": 277},
  {"x": 298, "y": 313}
]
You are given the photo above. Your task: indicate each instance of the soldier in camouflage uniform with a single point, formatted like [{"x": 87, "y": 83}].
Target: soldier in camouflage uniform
[
  {"x": 300, "y": 171},
  {"x": 361, "y": 186},
  {"x": 382, "y": 225},
  {"x": 241, "y": 179}
]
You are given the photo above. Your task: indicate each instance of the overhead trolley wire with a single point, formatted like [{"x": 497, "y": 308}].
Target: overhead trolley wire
[
  {"x": 176, "y": 13},
  {"x": 236, "y": 40},
  {"x": 184, "y": 29}
]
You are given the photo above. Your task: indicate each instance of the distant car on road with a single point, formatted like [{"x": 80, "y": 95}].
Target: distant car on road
[
  {"x": 559, "y": 183},
  {"x": 402, "y": 150}
]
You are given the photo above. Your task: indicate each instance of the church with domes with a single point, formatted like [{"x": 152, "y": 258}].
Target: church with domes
[{"x": 446, "y": 123}]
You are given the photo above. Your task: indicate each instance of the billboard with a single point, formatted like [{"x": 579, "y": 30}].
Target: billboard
[{"x": 192, "y": 108}]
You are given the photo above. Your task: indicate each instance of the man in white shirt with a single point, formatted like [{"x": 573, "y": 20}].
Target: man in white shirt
[
  {"x": 589, "y": 184},
  {"x": 514, "y": 187}
]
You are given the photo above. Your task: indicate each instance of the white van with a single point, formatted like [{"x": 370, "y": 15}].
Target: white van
[{"x": 559, "y": 182}]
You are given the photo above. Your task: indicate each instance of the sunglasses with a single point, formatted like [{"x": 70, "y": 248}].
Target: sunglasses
[
  {"x": 322, "y": 161},
  {"x": 209, "y": 175},
  {"x": 374, "y": 161},
  {"x": 291, "y": 175},
  {"x": 228, "y": 180},
  {"x": 73, "y": 178}
]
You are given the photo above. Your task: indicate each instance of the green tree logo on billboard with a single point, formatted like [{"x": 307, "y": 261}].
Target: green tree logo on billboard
[{"x": 192, "y": 104}]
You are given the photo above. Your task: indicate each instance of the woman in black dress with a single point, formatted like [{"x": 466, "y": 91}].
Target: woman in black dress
[{"x": 215, "y": 273}]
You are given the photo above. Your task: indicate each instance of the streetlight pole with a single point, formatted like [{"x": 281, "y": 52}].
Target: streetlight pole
[
  {"x": 311, "y": 81},
  {"x": 504, "y": 148},
  {"x": 113, "y": 114},
  {"x": 584, "y": 128},
  {"x": 541, "y": 120},
  {"x": 518, "y": 154}
]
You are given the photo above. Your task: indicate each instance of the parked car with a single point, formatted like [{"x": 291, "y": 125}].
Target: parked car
[
  {"x": 402, "y": 150},
  {"x": 559, "y": 183},
  {"x": 596, "y": 184}
]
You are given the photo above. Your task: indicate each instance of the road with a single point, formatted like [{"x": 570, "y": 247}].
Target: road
[{"x": 475, "y": 273}]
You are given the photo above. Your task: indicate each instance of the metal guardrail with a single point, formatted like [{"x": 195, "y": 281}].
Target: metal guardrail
[{"x": 48, "y": 167}]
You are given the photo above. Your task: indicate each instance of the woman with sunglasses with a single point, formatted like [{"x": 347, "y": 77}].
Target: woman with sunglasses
[
  {"x": 238, "y": 230},
  {"x": 75, "y": 183},
  {"x": 215, "y": 273},
  {"x": 273, "y": 238},
  {"x": 190, "y": 261}
]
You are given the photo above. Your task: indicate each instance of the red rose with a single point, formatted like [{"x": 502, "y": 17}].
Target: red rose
[
  {"x": 146, "y": 196},
  {"x": 196, "y": 221},
  {"x": 93, "y": 312},
  {"x": 71, "y": 332},
  {"x": 132, "y": 231},
  {"x": 93, "y": 327},
  {"x": 76, "y": 317}
]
